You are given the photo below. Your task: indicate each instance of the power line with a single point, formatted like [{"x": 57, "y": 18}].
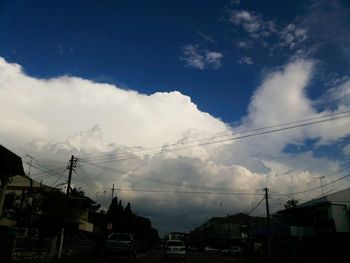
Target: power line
[
  {"x": 87, "y": 179},
  {"x": 59, "y": 178},
  {"x": 166, "y": 182},
  {"x": 317, "y": 188},
  {"x": 187, "y": 192},
  {"x": 220, "y": 141},
  {"x": 255, "y": 207},
  {"x": 44, "y": 171},
  {"x": 346, "y": 113}
]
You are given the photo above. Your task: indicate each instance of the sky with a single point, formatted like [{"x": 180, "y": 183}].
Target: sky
[{"x": 155, "y": 97}]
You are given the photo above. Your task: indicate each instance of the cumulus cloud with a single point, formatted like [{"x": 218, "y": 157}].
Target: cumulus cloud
[
  {"x": 201, "y": 59},
  {"x": 111, "y": 130},
  {"x": 59, "y": 107}
]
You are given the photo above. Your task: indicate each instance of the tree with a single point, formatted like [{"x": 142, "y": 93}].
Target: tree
[
  {"x": 77, "y": 192},
  {"x": 291, "y": 203},
  {"x": 124, "y": 220}
]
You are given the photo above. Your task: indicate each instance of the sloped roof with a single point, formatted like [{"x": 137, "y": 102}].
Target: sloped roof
[
  {"x": 11, "y": 164},
  {"x": 26, "y": 183}
]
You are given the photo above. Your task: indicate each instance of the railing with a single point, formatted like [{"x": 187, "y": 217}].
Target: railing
[
  {"x": 78, "y": 246},
  {"x": 28, "y": 249},
  {"x": 19, "y": 248}
]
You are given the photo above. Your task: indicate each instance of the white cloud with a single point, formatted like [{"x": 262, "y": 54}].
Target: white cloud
[
  {"x": 213, "y": 58},
  {"x": 243, "y": 44},
  {"x": 291, "y": 36},
  {"x": 253, "y": 24},
  {"x": 346, "y": 149},
  {"x": 206, "y": 37},
  {"x": 54, "y": 118},
  {"x": 267, "y": 33},
  {"x": 59, "y": 107},
  {"x": 248, "y": 20},
  {"x": 246, "y": 61},
  {"x": 200, "y": 58}
]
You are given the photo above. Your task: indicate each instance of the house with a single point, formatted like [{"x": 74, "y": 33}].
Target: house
[
  {"x": 221, "y": 231},
  {"x": 29, "y": 203},
  {"x": 318, "y": 230},
  {"x": 79, "y": 208},
  {"x": 327, "y": 215},
  {"x": 11, "y": 165}
]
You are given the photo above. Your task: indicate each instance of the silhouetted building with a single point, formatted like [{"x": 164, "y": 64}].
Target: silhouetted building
[
  {"x": 10, "y": 165},
  {"x": 221, "y": 231}
]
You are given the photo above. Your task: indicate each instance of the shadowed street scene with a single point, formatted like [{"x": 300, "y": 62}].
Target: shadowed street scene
[{"x": 174, "y": 131}]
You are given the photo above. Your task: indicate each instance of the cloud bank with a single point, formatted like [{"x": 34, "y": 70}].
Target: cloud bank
[{"x": 54, "y": 118}]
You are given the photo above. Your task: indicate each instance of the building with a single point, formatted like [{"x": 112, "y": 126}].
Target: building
[
  {"x": 322, "y": 216},
  {"x": 21, "y": 192},
  {"x": 222, "y": 231},
  {"x": 11, "y": 165},
  {"x": 318, "y": 230}
]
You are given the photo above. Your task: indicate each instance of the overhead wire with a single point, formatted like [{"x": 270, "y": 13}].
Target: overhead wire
[
  {"x": 316, "y": 188},
  {"x": 87, "y": 177},
  {"x": 224, "y": 134},
  {"x": 328, "y": 118},
  {"x": 300, "y": 124},
  {"x": 184, "y": 185},
  {"x": 215, "y": 142},
  {"x": 85, "y": 182},
  {"x": 167, "y": 182},
  {"x": 188, "y": 192},
  {"x": 59, "y": 178},
  {"x": 255, "y": 207},
  {"x": 250, "y": 135}
]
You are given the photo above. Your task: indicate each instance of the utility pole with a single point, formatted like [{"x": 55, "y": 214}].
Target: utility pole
[
  {"x": 112, "y": 192},
  {"x": 30, "y": 163},
  {"x": 268, "y": 227},
  {"x": 72, "y": 165},
  {"x": 321, "y": 177}
]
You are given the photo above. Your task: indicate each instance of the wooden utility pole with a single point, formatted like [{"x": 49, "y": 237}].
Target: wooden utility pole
[
  {"x": 30, "y": 163},
  {"x": 112, "y": 192},
  {"x": 268, "y": 226},
  {"x": 72, "y": 164},
  {"x": 321, "y": 178}
]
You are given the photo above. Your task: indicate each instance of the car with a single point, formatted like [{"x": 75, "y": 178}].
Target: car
[
  {"x": 175, "y": 249},
  {"x": 210, "y": 249},
  {"x": 120, "y": 244},
  {"x": 231, "y": 251}
]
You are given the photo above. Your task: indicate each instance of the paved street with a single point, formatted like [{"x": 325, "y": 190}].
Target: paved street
[{"x": 157, "y": 256}]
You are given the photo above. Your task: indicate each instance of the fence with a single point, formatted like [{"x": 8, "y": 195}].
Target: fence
[
  {"x": 78, "y": 246},
  {"x": 18, "y": 248},
  {"x": 26, "y": 249}
]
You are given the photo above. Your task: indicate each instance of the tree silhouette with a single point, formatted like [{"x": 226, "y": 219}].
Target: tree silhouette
[
  {"x": 124, "y": 220},
  {"x": 77, "y": 192},
  {"x": 291, "y": 203}
]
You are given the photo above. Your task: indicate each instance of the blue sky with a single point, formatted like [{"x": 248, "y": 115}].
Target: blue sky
[
  {"x": 139, "y": 45},
  {"x": 103, "y": 77}
]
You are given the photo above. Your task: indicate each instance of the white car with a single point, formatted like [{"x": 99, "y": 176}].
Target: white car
[
  {"x": 231, "y": 251},
  {"x": 175, "y": 249}
]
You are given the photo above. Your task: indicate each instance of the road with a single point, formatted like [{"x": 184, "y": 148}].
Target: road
[{"x": 156, "y": 256}]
